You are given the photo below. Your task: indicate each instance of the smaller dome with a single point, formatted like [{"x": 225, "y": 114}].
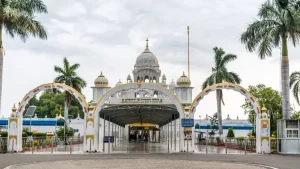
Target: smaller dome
[
  {"x": 101, "y": 80},
  {"x": 164, "y": 77},
  {"x": 264, "y": 109},
  {"x": 14, "y": 109},
  {"x": 183, "y": 80},
  {"x": 119, "y": 83},
  {"x": 129, "y": 78},
  {"x": 187, "y": 108},
  {"x": 172, "y": 84}
]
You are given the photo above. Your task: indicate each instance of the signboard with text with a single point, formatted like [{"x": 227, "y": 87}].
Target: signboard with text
[
  {"x": 187, "y": 122},
  {"x": 108, "y": 139}
]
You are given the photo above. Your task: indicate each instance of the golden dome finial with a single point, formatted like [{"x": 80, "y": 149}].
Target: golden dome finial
[
  {"x": 14, "y": 109},
  {"x": 263, "y": 109},
  {"x": 101, "y": 74},
  {"x": 188, "y": 28},
  {"x": 183, "y": 74},
  {"x": 147, "y": 43},
  {"x": 60, "y": 116}
]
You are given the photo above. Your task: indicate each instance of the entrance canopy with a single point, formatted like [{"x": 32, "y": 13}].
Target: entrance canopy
[{"x": 159, "y": 114}]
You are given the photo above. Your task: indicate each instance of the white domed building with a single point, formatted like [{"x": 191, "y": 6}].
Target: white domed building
[{"x": 146, "y": 69}]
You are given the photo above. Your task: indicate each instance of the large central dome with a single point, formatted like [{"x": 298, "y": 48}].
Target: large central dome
[
  {"x": 146, "y": 67},
  {"x": 146, "y": 59}
]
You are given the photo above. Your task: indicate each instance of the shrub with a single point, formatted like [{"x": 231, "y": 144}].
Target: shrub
[
  {"x": 24, "y": 134},
  {"x": 274, "y": 134},
  {"x": 240, "y": 137},
  {"x": 69, "y": 131},
  {"x": 36, "y": 143},
  {"x": 4, "y": 134},
  {"x": 39, "y": 135},
  {"x": 230, "y": 133}
]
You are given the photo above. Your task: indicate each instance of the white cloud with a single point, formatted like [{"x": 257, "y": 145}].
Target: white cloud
[{"x": 108, "y": 36}]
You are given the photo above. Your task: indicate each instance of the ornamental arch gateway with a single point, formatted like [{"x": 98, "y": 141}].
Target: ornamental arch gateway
[
  {"x": 15, "y": 125},
  {"x": 92, "y": 138},
  {"x": 248, "y": 96}
]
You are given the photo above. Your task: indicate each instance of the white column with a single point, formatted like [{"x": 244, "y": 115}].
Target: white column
[
  {"x": 103, "y": 134},
  {"x": 175, "y": 134},
  {"x": 171, "y": 133}
]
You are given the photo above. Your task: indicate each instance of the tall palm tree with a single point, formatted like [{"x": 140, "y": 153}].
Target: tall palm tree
[
  {"x": 17, "y": 19},
  {"x": 220, "y": 74},
  {"x": 295, "y": 84},
  {"x": 67, "y": 75},
  {"x": 278, "y": 22}
]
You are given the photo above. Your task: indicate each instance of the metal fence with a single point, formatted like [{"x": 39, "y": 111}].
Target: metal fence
[
  {"x": 248, "y": 144},
  {"x": 51, "y": 144}
]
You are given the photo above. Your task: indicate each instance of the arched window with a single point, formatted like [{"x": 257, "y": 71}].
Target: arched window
[{"x": 154, "y": 79}]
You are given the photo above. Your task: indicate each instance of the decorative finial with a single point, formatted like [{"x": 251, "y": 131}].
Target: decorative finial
[
  {"x": 60, "y": 116},
  {"x": 91, "y": 108},
  {"x": 263, "y": 109},
  {"x": 147, "y": 43},
  {"x": 183, "y": 74},
  {"x": 101, "y": 74},
  {"x": 188, "y": 28},
  {"x": 14, "y": 109}
]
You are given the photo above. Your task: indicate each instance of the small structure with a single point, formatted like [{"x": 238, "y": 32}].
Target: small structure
[{"x": 288, "y": 140}]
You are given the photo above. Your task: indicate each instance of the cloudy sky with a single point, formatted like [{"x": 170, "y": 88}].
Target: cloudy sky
[{"x": 107, "y": 36}]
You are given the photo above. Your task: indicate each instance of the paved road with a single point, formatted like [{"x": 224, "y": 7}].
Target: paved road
[
  {"x": 134, "y": 163},
  {"x": 282, "y": 162}
]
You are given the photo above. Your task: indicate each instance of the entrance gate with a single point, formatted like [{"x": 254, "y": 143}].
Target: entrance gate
[
  {"x": 15, "y": 123},
  {"x": 94, "y": 137},
  {"x": 171, "y": 133},
  {"x": 262, "y": 122}
]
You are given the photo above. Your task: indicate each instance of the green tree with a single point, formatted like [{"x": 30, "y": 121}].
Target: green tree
[
  {"x": 268, "y": 97},
  {"x": 17, "y": 18},
  {"x": 221, "y": 74},
  {"x": 67, "y": 75},
  {"x": 230, "y": 133},
  {"x": 295, "y": 115},
  {"x": 295, "y": 84},
  {"x": 49, "y": 104},
  {"x": 278, "y": 23},
  {"x": 69, "y": 131}
]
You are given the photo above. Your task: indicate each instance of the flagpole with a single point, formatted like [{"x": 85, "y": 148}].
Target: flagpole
[{"x": 188, "y": 32}]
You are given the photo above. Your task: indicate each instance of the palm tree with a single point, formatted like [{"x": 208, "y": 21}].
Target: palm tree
[
  {"x": 295, "y": 84},
  {"x": 219, "y": 75},
  {"x": 278, "y": 22},
  {"x": 68, "y": 76},
  {"x": 17, "y": 19}
]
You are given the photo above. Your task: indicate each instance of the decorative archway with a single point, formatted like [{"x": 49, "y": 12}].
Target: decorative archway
[
  {"x": 92, "y": 136},
  {"x": 262, "y": 122},
  {"x": 141, "y": 85},
  {"x": 48, "y": 86},
  {"x": 225, "y": 85},
  {"x": 15, "y": 123}
]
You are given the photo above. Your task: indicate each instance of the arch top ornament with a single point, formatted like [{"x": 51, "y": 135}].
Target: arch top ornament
[
  {"x": 229, "y": 86},
  {"x": 140, "y": 85},
  {"x": 48, "y": 86}
]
